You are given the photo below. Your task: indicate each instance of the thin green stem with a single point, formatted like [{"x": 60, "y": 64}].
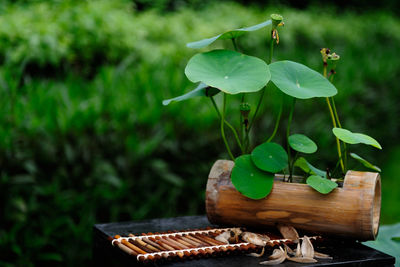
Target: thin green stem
[
  {"x": 287, "y": 136},
  {"x": 334, "y": 124},
  {"x": 271, "y": 50},
  {"x": 223, "y": 130},
  {"x": 215, "y": 106},
  {"x": 278, "y": 119},
  {"x": 241, "y": 121},
  {"x": 234, "y": 44},
  {"x": 335, "y": 112},
  {"x": 228, "y": 124},
  {"x": 339, "y": 124},
  {"x": 292, "y": 167},
  {"x": 263, "y": 90},
  {"x": 337, "y": 139},
  {"x": 257, "y": 108},
  {"x": 236, "y": 136}
]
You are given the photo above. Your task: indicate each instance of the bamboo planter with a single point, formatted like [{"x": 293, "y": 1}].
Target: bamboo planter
[{"x": 352, "y": 211}]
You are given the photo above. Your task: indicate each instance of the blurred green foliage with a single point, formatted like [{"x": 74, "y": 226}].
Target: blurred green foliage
[{"x": 84, "y": 138}]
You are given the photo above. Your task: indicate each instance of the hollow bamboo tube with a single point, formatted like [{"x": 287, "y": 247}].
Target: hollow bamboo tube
[{"x": 352, "y": 211}]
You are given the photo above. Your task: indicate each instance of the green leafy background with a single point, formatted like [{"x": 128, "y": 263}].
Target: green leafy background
[{"x": 84, "y": 137}]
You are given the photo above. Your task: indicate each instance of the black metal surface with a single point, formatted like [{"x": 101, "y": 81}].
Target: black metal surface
[{"x": 104, "y": 254}]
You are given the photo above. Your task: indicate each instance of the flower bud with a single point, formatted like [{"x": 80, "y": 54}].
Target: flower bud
[
  {"x": 245, "y": 110},
  {"x": 276, "y": 20}
]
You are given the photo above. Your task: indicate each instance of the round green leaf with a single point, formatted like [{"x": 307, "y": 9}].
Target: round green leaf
[
  {"x": 229, "y": 71},
  {"x": 355, "y": 138},
  {"x": 302, "y": 143},
  {"x": 249, "y": 180},
  {"x": 299, "y": 81},
  {"x": 322, "y": 185},
  {"x": 270, "y": 157},
  {"x": 365, "y": 162},
  {"x": 228, "y": 35}
]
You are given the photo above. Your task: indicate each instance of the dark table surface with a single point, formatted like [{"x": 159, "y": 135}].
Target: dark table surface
[{"x": 347, "y": 253}]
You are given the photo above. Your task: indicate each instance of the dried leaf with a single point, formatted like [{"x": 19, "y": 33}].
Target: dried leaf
[
  {"x": 303, "y": 259},
  {"x": 288, "y": 232},
  {"x": 298, "y": 250},
  {"x": 320, "y": 255},
  {"x": 223, "y": 237},
  {"x": 307, "y": 249},
  {"x": 256, "y": 255},
  {"x": 282, "y": 256},
  {"x": 235, "y": 233},
  {"x": 264, "y": 237},
  {"x": 276, "y": 254},
  {"x": 254, "y": 239},
  {"x": 230, "y": 236},
  {"x": 289, "y": 250}
]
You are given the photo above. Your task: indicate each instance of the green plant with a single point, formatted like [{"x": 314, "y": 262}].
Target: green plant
[{"x": 226, "y": 72}]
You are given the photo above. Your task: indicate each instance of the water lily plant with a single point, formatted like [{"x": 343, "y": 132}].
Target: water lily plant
[{"x": 230, "y": 72}]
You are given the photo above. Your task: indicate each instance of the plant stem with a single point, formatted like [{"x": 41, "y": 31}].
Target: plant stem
[
  {"x": 287, "y": 137},
  {"x": 241, "y": 121},
  {"x": 339, "y": 124},
  {"x": 228, "y": 124},
  {"x": 271, "y": 50},
  {"x": 223, "y": 130},
  {"x": 292, "y": 168},
  {"x": 334, "y": 124},
  {"x": 234, "y": 44},
  {"x": 337, "y": 139},
  {"x": 276, "y": 123},
  {"x": 257, "y": 108}
]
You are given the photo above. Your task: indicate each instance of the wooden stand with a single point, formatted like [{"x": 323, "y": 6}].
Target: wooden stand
[{"x": 352, "y": 211}]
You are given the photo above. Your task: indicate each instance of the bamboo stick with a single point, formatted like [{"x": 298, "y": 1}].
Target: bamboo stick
[
  {"x": 183, "y": 242},
  {"x": 162, "y": 244},
  {"x": 131, "y": 246},
  {"x": 190, "y": 241},
  {"x": 137, "y": 244},
  {"x": 126, "y": 249},
  {"x": 211, "y": 240},
  {"x": 202, "y": 243},
  {"x": 177, "y": 244},
  {"x": 154, "y": 244}
]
